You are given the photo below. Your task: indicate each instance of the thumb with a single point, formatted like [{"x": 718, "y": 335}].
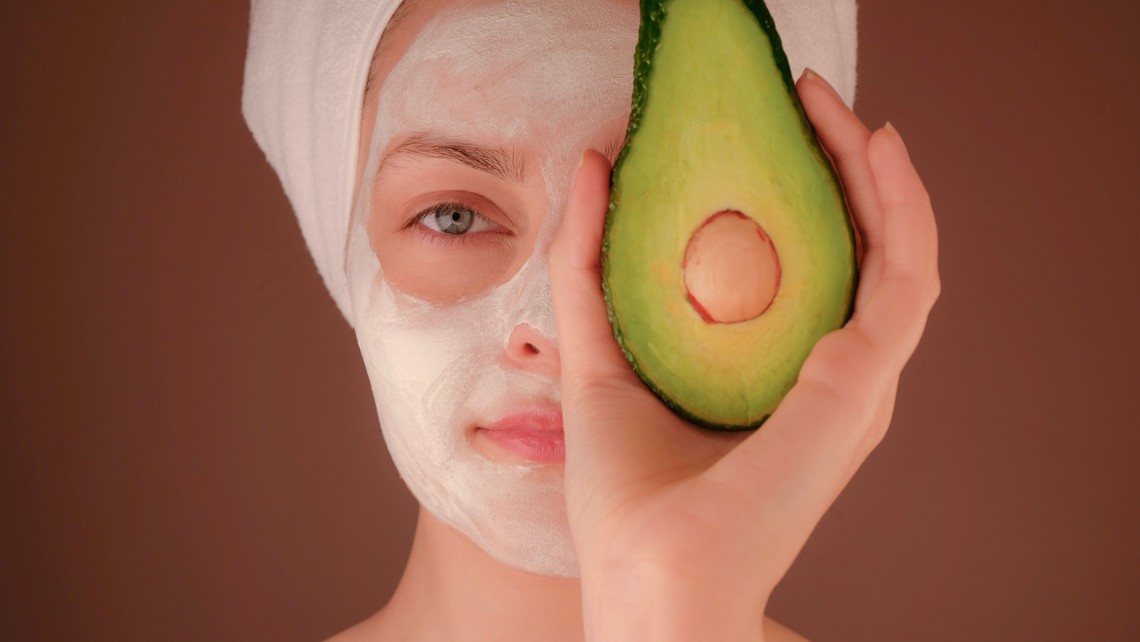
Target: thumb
[
  {"x": 589, "y": 353},
  {"x": 603, "y": 401},
  {"x": 618, "y": 434}
]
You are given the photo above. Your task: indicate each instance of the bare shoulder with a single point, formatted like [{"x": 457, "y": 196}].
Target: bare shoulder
[
  {"x": 354, "y": 634},
  {"x": 776, "y": 632},
  {"x": 366, "y": 631},
  {"x": 371, "y": 629}
]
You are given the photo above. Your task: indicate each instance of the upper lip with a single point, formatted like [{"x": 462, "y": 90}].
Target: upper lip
[{"x": 532, "y": 419}]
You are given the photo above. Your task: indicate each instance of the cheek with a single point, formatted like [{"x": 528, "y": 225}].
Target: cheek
[{"x": 444, "y": 274}]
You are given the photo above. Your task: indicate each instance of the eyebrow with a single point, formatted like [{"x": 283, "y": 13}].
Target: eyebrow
[{"x": 491, "y": 160}]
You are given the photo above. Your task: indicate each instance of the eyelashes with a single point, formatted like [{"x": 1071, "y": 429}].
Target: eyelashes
[
  {"x": 452, "y": 222},
  {"x": 452, "y": 218}
]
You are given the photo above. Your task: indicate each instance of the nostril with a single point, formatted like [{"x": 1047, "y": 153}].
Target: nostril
[{"x": 530, "y": 350}]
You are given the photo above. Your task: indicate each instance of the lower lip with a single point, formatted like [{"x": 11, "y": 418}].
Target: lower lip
[{"x": 536, "y": 446}]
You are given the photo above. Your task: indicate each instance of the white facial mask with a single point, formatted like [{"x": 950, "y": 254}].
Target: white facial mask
[{"x": 548, "y": 77}]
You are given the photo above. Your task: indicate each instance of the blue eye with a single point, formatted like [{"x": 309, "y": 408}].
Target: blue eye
[{"x": 454, "y": 219}]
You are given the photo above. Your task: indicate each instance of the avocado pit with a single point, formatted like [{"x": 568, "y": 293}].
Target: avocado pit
[{"x": 732, "y": 271}]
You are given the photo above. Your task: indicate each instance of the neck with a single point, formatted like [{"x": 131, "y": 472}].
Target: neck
[{"x": 452, "y": 590}]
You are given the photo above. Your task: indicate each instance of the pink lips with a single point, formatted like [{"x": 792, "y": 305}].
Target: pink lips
[{"x": 534, "y": 435}]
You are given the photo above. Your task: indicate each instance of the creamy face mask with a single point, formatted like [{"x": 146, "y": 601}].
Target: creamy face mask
[{"x": 545, "y": 81}]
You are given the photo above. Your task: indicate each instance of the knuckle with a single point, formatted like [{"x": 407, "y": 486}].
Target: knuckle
[
  {"x": 913, "y": 285},
  {"x": 926, "y": 282},
  {"x": 935, "y": 289},
  {"x": 838, "y": 362},
  {"x": 921, "y": 196},
  {"x": 875, "y": 434}
]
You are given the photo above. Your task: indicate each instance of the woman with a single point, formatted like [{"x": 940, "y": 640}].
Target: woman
[{"x": 452, "y": 184}]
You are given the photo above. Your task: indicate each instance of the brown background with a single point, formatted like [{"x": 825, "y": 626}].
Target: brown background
[{"x": 189, "y": 445}]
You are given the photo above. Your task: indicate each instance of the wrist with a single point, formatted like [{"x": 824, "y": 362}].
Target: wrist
[{"x": 655, "y": 603}]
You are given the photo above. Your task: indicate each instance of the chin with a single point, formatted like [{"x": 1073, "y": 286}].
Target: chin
[{"x": 515, "y": 513}]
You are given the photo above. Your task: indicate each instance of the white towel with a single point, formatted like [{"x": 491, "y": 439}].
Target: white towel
[{"x": 308, "y": 62}]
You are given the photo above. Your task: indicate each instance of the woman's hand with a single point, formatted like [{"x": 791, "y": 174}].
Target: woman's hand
[{"x": 682, "y": 533}]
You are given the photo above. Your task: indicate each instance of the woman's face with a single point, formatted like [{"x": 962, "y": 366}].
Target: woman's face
[{"x": 481, "y": 114}]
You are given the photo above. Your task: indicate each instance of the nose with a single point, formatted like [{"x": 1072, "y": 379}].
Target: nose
[{"x": 529, "y": 349}]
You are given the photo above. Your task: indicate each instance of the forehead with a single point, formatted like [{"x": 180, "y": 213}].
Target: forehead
[{"x": 509, "y": 64}]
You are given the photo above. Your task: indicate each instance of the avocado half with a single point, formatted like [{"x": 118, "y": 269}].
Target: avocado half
[{"x": 719, "y": 145}]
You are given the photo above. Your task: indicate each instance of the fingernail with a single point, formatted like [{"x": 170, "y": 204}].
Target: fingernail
[
  {"x": 898, "y": 137},
  {"x": 810, "y": 74}
]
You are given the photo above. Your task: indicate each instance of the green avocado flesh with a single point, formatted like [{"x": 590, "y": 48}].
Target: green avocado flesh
[{"x": 717, "y": 126}]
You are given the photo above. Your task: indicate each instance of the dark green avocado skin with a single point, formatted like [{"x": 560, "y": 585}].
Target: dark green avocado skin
[{"x": 653, "y": 15}]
